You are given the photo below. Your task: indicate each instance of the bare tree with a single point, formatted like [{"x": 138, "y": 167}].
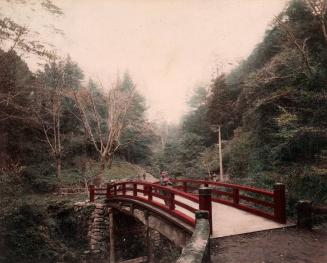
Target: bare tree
[
  {"x": 318, "y": 8},
  {"x": 104, "y": 129},
  {"x": 299, "y": 44}
]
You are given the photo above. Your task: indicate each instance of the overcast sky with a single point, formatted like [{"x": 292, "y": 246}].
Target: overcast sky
[{"x": 168, "y": 47}]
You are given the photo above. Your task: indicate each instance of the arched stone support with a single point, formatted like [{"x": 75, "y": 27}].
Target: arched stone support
[{"x": 171, "y": 228}]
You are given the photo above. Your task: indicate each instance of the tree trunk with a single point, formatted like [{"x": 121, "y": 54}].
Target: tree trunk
[
  {"x": 58, "y": 171},
  {"x": 83, "y": 163},
  {"x": 99, "y": 178},
  {"x": 323, "y": 27},
  {"x": 208, "y": 170},
  {"x": 110, "y": 160}
]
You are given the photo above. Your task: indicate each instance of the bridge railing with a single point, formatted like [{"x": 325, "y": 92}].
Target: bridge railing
[
  {"x": 175, "y": 202},
  {"x": 268, "y": 204}
]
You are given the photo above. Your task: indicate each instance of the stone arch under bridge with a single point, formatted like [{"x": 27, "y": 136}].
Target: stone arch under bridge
[{"x": 173, "y": 229}]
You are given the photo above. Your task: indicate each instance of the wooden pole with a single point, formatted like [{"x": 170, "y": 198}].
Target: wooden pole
[
  {"x": 149, "y": 193},
  {"x": 172, "y": 201},
  {"x": 220, "y": 156},
  {"x": 134, "y": 189},
  {"x": 92, "y": 192},
  {"x": 205, "y": 203},
  {"x": 108, "y": 190},
  {"x": 304, "y": 214},
  {"x": 280, "y": 203},
  {"x": 236, "y": 196},
  {"x": 185, "y": 186}
]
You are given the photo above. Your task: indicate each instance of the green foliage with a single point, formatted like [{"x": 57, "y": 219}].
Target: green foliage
[
  {"x": 240, "y": 154},
  {"x": 122, "y": 170},
  {"x": 221, "y": 109},
  {"x": 198, "y": 98},
  {"x": 34, "y": 232},
  {"x": 182, "y": 157},
  {"x": 280, "y": 102},
  {"x": 137, "y": 136},
  {"x": 28, "y": 101},
  {"x": 272, "y": 110}
]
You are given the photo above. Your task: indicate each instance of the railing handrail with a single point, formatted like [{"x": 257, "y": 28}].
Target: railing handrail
[
  {"x": 228, "y": 185},
  {"x": 131, "y": 189},
  {"x": 186, "y": 195},
  {"x": 277, "y": 203},
  {"x": 273, "y": 209}
]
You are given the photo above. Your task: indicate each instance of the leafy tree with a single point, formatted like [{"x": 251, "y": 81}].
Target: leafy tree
[{"x": 56, "y": 83}]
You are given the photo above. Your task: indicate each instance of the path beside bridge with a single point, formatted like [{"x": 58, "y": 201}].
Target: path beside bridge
[{"x": 290, "y": 245}]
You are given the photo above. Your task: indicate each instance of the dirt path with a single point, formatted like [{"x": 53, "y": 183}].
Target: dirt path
[
  {"x": 281, "y": 245},
  {"x": 150, "y": 178}
]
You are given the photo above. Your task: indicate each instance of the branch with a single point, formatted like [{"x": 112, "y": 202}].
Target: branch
[
  {"x": 292, "y": 38},
  {"x": 85, "y": 122},
  {"x": 96, "y": 114}
]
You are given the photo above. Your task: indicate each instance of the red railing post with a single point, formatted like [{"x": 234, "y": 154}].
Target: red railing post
[
  {"x": 92, "y": 192},
  {"x": 185, "y": 186},
  {"x": 123, "y": 188},
  {"x": 172, "y": 201},
  {"x": 149, "y": 190},
  {"x": 115, "y": 189},
  {"x": 134, "y": 189},
  {"x": 280, "y": 203},
  {"x": 236, "y": 196},
  {"x": 108, "y": 190},
  {"x": 205, "y": 202}
]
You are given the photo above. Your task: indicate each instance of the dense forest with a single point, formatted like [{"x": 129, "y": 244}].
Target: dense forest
[
  {"x": 272, "y": 110},
  {"x": 59, "y": 129}
]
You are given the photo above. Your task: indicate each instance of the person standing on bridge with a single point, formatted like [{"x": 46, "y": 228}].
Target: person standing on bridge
[{"x": 165, "y": 181}]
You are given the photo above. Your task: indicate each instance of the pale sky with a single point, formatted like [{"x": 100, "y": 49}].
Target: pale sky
[{"x": 168, "y": 47}]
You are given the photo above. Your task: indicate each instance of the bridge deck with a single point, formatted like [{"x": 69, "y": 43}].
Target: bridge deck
[{"x": 227, "y": 221}]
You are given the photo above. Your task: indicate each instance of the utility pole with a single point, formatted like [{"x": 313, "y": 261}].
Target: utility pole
[{"x": 220, "y": 156}]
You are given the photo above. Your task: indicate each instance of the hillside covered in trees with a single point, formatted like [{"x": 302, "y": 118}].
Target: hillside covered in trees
[
  {"x": 272, "y": 110},
  {"x": 58, "y": 131}
]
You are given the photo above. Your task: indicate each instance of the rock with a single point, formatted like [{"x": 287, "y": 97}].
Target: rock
[
  {"x": 99, "y": 206},
  {"x": 79, "y": 204},
  {"x": 102, "y": 227},
  {"x": 70, "y": 257},
  {"x": 95, "y": 247},
  {"x": 97, "y": 237}
]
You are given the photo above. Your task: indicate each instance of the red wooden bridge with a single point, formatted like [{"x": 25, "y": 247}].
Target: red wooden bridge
[{"x": 233, "y": 209}]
